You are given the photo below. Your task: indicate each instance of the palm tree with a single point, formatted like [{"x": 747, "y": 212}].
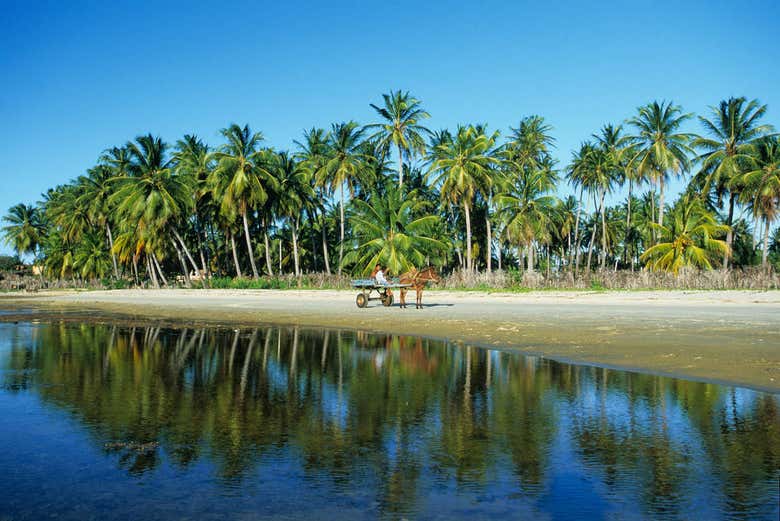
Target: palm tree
[
  {"x": 761, "y": 187},
  {"x": 688, "y": 239},
  {"x": 312, "y": 156},
  {"x": 345, "y": 166},
  {"x": 728, "y": 154},
  {"x": 526, "y": 154},
  {"x": 293, "y": 195},
  {"x": 91, "y": 258},
  {"x": 194, "y": 163},
  {"x": 661, "y": 149},
  {"x": 609, "y": 170},
  {"x": 96, "y": 188},
  {"x": 400, "y": 127},
  {"x": 152, "y": 198},
  {"x": 247, "y": 179},
  {"x": 461, "y": 166},
  {"x": 528, "y": 209},
  {"x": 396, "y": 230},
  {"x": 24, "y": 230}
]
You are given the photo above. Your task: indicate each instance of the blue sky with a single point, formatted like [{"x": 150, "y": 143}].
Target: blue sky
[{"x": 77, "y": 77}]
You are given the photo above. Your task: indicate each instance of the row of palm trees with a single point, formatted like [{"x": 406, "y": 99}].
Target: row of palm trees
[{"x": 147, "y": 210}]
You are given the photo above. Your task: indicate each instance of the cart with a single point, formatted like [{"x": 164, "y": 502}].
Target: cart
[{"x": 368, "y": 286}]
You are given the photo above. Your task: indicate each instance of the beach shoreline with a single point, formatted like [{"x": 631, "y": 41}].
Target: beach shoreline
[{"x": 719, "y": 336}]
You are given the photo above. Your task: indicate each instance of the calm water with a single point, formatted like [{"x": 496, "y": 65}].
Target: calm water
[{"x": 112, "y": 422}]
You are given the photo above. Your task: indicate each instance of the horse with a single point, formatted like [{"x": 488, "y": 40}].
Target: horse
[{"x": 418, "y": 280}]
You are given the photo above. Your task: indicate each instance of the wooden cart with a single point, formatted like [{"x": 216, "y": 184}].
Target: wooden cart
[{"x": 368, "y": 286}]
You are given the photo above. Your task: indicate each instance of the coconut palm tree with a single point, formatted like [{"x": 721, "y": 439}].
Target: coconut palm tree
[
  {"x": 91, "y": 258},
  {"x": 152, "y": 198},
  {"x": 24, "y": 229},
  {"x": 761, "y": 187},
  {"x": 312, "y": 153},
  {"x": 726, "y": 155},
  {"x": 527, "y": 209},
  {"x": 294, "y": 194},
  {"x": 608, "y": 171},
  {"x": 247, "y": 178},
  {"x": 194, "y": 163},
  {"x": 395, "y": 230},
  {"x": 96, "y": 188},
  {"x": 461, "y": 166},
  {"x": 688, "y": 239},
  {"x": 660, "y": 148},
  {"x": 401, "y": 114},
  {"x": 345, "y": 166}
]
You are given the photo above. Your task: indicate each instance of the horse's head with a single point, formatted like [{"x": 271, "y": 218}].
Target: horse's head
[{"x": 428, "y": 274}]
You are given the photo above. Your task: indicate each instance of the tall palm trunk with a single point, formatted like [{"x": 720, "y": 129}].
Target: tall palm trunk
[
  {"x": 325, "y": 246},
  {"x": 530, "y": 256},
  {"x": 155, "y": 262},
  {"x": 295, "y": 248},
  {"x": 593, "y": 233},
  {"x": 111, "y": 245},
  {"x": 267, "y": 249},
  {"x": 729, "y": 233},
  {"x": 603, "y": 231},
  {"x": 628, "y": 222},
  {"x": 469, "y": 261},
  {"x": 576, "y": 254},
  {"x": 151, "y": 272},
  {"x": 341, "y": 241},
  {"x": 235, "y": 253},
  {"x": 661, "y": 201},
  {"x": 489, "y": 238},
  {"x": 183, "y": 263},
  {"x": 400, "y": 168},
  {"x": 185, "y": 249},
  {"x": 249, "y": 244},
  {"x": 766, "y": 243}
]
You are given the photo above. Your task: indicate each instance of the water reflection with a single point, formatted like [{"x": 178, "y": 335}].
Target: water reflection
[{"x": 402, "y": 426}]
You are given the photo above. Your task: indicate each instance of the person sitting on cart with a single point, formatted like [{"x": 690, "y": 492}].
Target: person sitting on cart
[{"x": 379, "y": 275}]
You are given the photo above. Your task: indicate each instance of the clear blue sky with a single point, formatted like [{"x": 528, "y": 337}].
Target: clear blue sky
[{"x": 77, "y": 77}]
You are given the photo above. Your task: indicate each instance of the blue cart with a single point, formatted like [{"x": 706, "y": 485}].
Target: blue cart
[{"x": 368, "y": 286}]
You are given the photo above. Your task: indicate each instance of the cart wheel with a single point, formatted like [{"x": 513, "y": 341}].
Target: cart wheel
[
  {"x": 361, "y": 300},
  {"x": 388, "y": 300}
]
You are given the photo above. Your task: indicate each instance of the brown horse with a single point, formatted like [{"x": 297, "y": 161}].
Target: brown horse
[{"x": 418, "y": 280}]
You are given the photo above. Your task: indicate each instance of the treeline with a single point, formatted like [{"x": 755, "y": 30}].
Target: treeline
[{"x": 396, "y": 193}]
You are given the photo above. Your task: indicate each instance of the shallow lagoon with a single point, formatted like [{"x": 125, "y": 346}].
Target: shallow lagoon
[{"x": 113, "y": 422}]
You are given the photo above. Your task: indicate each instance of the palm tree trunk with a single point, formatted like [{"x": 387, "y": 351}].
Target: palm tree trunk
[
  {"x": 249, "y": 245},
  {"x": 469, "y": 262},
  {"x": 592, "y": 235},
  {"x": 576, "y": 253},
  {"x": 530, "y": 256},
  {"x": 400, "y": 168},
  {"x": 766, "y": 243},
  {"x": 235, "y": 253},
  {"x": 155, "y": 262},
  {"x": 661, "y": 201},
  {"x": 152, "y": 273},
  {"x": 267, "y": 250},
  {"x": 295, "y": 248},
  {"x": 628, "y": 222},
  {"x": 325, "y": 246},
  {"x": 184, "y": 269},
  {"x": 489, "y": 239},
  {"x": 312, "y": 240},
  {"x": 111, "y": 245},
  {"x": 280, "y": 255},
  {"x": 730, "y": 233},
  {"x": 185, "y": 250},
  {"x": 603, "y": 231},
  {"x": 341, "y": 237},
  {"x": 135, "y": 269}
]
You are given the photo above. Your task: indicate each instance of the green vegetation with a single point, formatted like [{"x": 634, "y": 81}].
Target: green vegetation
[{"x": 396, "y": 193}]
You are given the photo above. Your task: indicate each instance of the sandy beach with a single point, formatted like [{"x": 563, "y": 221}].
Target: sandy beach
[{"x": 719, "y": 336}]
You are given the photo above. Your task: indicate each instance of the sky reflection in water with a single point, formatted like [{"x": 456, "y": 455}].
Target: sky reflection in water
[{"x": 116, "y": 422}]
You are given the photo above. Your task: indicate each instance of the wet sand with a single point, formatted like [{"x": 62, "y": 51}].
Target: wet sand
[{"x": 719, "y": 336}]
